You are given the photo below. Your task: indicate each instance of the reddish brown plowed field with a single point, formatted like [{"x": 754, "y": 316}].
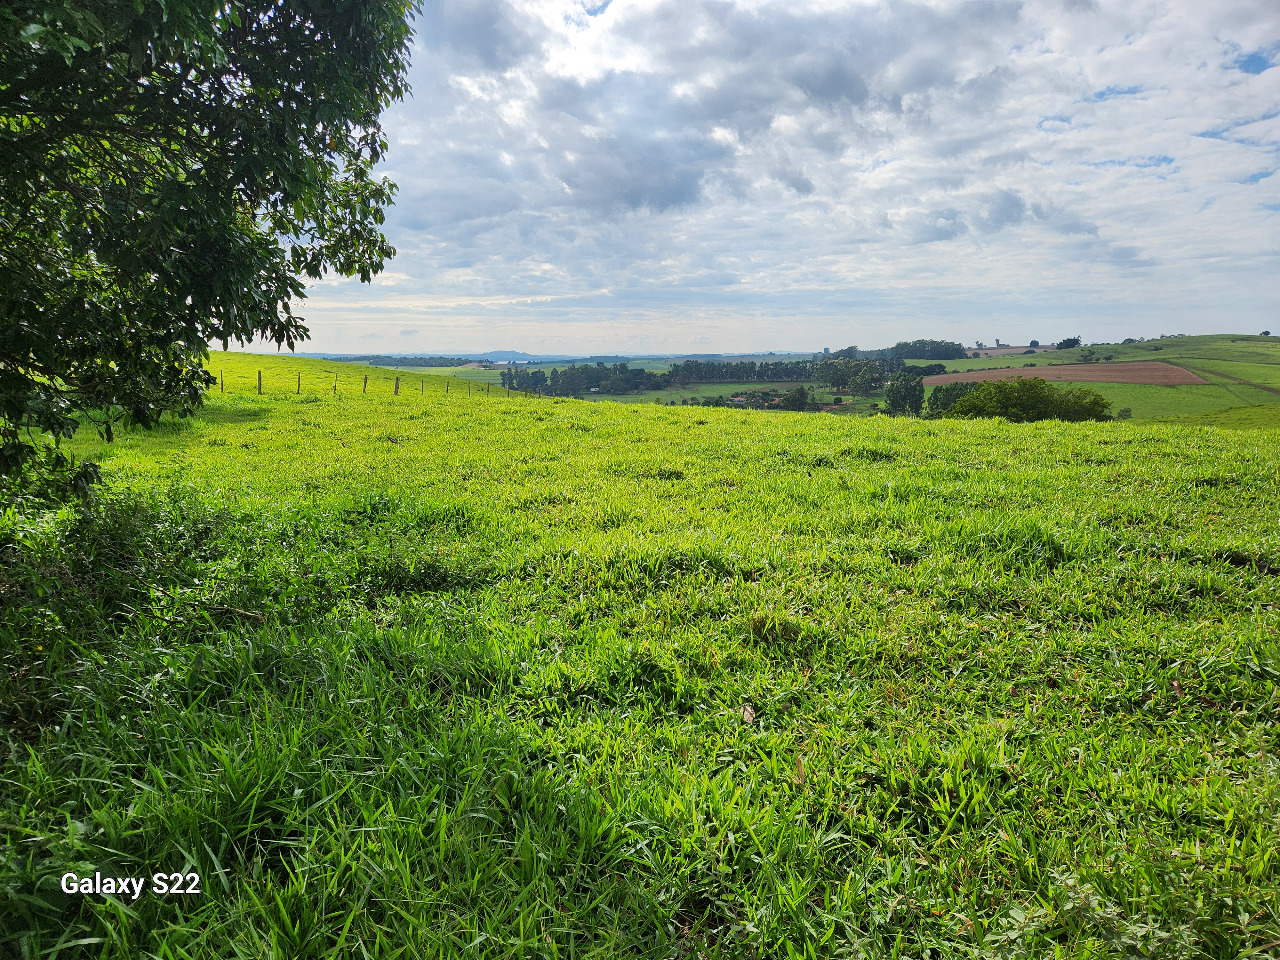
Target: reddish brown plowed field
[{"x": 1134, "y": 371}]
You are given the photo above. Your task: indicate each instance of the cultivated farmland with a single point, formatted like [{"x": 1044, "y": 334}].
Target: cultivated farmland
[
  {"x": 1133, "y": 371},
  {"x": 451, "y": 674}
]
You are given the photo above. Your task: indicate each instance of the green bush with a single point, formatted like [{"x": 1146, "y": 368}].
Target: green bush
[
  {"x": 946, "y": 394},
  {"x": 1027, "y": 399}
]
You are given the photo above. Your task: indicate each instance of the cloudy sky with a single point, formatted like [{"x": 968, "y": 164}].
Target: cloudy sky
[{"x": 734, "y": 175}]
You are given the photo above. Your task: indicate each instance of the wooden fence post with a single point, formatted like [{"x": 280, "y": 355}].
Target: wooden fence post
[
  {"x": 422, "y": 387},
  {"x": 222, "y": 381},
  {"x": 259, "y": 383},
  {"x": 468, "y": 388},
  {"x": 335, "y": 384},
  {"x": 446, "y": 385},
  {"x": 508, "y": 393},
  {"x": 299, "y": 383},
  {"x": 365, "y": 389},
  {"x": 397, "y": 386}
]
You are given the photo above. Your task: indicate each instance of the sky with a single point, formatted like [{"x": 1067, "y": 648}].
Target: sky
[{"x": 704, "y": 176}]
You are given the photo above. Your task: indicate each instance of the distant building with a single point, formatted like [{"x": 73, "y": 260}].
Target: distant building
[{"x": 828, "y": 349}]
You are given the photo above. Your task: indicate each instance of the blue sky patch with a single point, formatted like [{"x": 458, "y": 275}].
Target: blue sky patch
[
  {"x": 1110, "y": 93},
  {"x": 1139, "y": 162},
  {"x": 1255, "y": 63}
]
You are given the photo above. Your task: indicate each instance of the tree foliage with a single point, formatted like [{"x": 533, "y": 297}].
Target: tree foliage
[
  {"x": 944, "y": 395},
  {"x": 904, "y": 394},
  {"x": 860, "y": 377},
  {"x": 1027, "y": 399},
  {"x": 169, "y": 175},
  {"x": 928, "y": 350},
  {"x": 740, "y": 371}
]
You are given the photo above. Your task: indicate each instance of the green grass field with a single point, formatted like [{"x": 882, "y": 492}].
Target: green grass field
[
  {"x": 441, "y": 675},
  {"x": 1261, "y": 417}
]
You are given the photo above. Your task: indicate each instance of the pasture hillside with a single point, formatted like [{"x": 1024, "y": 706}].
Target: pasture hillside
[{"x": 449, "y": 675}]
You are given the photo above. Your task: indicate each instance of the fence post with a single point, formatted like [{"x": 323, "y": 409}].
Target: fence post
[
  {"x": 468, "y": 388},
  {"x": 422, "y": 387},
  {"x": 335, "y": 384},
  {"x": 222, "y": 381},
  {"x": 446, "y": 384},
  {"x": 508, "y": 393},
  {"x": 365, "y": 389},
  {"x": 397, "y": 386},
  {"x": 299, "y": 383},
  {"x": 259, "y": 383}
]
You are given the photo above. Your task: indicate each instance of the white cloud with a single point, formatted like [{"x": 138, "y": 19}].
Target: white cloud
[{"x": 681, "y": 173}]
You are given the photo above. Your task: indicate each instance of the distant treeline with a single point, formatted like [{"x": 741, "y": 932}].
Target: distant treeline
[
  {"x": 384, "y": 361},
  {"x": 577, "y": 379},
  {"x": 618, "y": 378},
  {"x": 864, "y": 378},
  {"x": 744, "y": 371},
  {"x": 860, "y": 372},
  {"x": 907, "y": 350}
]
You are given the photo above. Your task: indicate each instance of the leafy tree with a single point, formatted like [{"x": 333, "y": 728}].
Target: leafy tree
[
  {"x": 1027, "y": 399},
  {"x": 169, "y": 174},
  {"x": 861, "y": 377},
  {"x": 928, "y": 370},
  {"x": 1068, "y": 343},
  {"x": 904, "y": 394},
  {"x": 929, "y": 350},
  {"x": 1034, "y": 343},
  {"x": 944, "y": 395},
  {"x": 797, "y": 399}
]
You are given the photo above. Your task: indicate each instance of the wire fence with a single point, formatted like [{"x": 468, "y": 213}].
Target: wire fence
[{"x": 345, "y": 384}]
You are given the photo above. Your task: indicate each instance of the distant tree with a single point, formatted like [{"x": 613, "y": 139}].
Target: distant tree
[
  {"x": 1034, "y": 343},
  {"x": 904, "y": 394},
  {"x": 860, "y": 377},
  {"x": 928, "y": 350},
  {"x": 945, "y": 395},
  {"x": 1068, "y": 343},
  {"x": 1124, "y": 413},
  {"x": 1025, "y": 400},
  {"x": 1266, "y": 333},
  {"x": 797, "y": 399},
  {"x": 928, "y": 370},
  {"x": 170, "y": 173}
]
